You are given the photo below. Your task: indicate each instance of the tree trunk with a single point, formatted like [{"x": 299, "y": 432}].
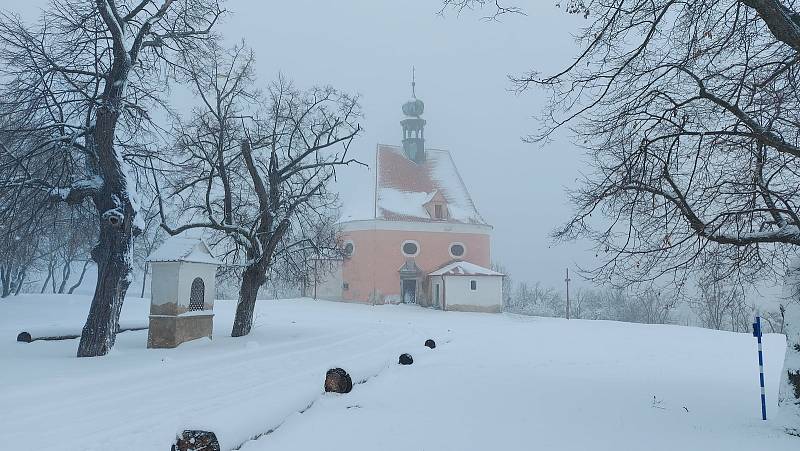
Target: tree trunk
[
  {"x": 144, "y": 279},
  {"x": 252, "y": 279},
  {"x": 117, "y": 215},
  {"x": 112, "y": 256},
  {"x": 23, "y": 273},
  {"x": 65, "y": 275},
  {"x": 789, "y": 396},
  {"x": 53, "y": 280},
  {"x": 5, "y": 282},
  {"x": 80, "y": 279},
  {"x": 47, "y": 280}
]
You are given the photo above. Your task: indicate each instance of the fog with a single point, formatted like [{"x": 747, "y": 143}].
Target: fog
[
  {"x": 329, "y": 331},
  {"x": 462, "y": 66}
]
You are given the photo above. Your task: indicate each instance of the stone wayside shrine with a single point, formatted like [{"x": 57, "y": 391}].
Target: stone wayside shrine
[{"x": 182, "y": 292}]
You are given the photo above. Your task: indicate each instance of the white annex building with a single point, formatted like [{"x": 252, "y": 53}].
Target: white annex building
[{"x": 466, "y": 286}]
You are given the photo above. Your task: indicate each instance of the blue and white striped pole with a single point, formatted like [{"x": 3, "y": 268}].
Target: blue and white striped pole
[{"x": 757, "y": 334}]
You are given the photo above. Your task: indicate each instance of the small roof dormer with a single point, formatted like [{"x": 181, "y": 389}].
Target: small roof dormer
[{"x": 436, "y": 206}]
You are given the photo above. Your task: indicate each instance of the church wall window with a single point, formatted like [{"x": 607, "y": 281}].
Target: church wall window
[
  {"x": 410, "y": 248},
  {"x": 457, "y": 250}
]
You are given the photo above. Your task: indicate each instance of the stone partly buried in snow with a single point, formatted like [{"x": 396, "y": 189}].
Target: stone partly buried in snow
[
  {"x": 196, "y": 441},
  {"x": 430, "y": 343},
  {"x": 405, "y": 359},
  {"x": 338, "y": 381}
]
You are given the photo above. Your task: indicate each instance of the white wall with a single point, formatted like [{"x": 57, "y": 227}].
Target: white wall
[
  {"x": 488, "y": 293},
  {"x": 436, "y": 281},
  {"x": 164, "y": 282}
]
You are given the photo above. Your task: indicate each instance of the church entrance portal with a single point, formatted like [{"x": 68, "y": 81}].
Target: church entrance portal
[{"x": 409, "y": 291}]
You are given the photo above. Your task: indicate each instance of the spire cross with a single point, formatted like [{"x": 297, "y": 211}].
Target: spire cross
[{"x": 413, "y": 82}]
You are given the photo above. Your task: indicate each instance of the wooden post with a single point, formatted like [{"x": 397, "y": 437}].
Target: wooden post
[
  {"x": 567, "y": 280},
  {"x": 315, "y": 279}
]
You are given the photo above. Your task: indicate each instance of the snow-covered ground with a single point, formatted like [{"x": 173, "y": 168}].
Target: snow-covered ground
[{"x": 499, "y": 382}]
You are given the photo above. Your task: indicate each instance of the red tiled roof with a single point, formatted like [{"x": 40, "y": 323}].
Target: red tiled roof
[{"x": 404, "y": 187}]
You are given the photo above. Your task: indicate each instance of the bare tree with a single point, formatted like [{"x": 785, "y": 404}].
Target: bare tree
[
  {"x": 715, "y": 305},
  {"x": 21, "y": 226},
  {"x": 690, "y": 111},
  {"x": 257, "y": 170},
  {"x": 536, "y": 300},
  {"x": 652, "y": 307},
  {"x": 316, "y": 252},
  {"x": 588, "y": 304},
  {"x": 19, "y": 251},
  {"x": 775, "y": 319},
  {"x": 66, "y": 237},
  {"x": 35, "y": 234},
  {"x": 84, "y": 76},
  {"x": 17, "y": 257}
]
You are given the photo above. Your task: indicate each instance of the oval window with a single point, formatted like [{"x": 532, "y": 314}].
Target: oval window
[
  {"x": 410, "y": 248},
  {"x": 457, "y": 250},
  {"x": 349, "y": 247}
]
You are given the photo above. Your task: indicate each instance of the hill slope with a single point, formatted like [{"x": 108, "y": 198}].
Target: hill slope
[{"x": 494, "y": 382}]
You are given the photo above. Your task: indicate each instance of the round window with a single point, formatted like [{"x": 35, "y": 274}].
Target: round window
[
  {"x": 410, "y": 248},
  {"x": 349, "y": 248},
  {"x": 457, "y": 250}
]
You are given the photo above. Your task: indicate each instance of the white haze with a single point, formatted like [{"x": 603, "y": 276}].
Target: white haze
[{"x": 462, "y": 62}]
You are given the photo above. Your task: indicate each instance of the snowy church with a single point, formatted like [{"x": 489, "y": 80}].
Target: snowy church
[{"x": 425, "y": 242}]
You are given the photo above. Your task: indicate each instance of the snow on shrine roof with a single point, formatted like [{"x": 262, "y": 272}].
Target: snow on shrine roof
[
  {"x": 180, "y": 249},
  {"x": 464, "y": 269},
  {"x": 403, "y": 187}
]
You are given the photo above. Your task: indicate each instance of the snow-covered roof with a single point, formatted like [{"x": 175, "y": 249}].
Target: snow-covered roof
[
  {"x": 464, "y": 269},
  {"x": 404, "y": 187},
  {"x": 180, "y": 249}
]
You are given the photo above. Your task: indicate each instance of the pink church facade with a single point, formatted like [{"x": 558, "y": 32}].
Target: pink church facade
[
  {"x": 372, "y": 272},
  {"x": 424, "y": 235}
]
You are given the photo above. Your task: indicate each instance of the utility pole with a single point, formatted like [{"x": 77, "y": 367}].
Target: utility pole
[{"x": 567, "y": 280}]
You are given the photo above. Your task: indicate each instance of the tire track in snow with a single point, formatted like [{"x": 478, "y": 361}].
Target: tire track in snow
[
  {"x": 134, "y": 392},
  {"x": 306, "y": 408},
  {"x": 192, "y": 365},
  {"x": 411, "y": 333},
  {"x": 247, "y": 384}
]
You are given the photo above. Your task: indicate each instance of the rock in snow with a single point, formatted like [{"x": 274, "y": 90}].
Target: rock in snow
[
  {"x": 196, "y": 441},
  {"x": 430, "y": 343},
  {"x": 405, "y": 359},
  {"x": 338, "y": 381}
]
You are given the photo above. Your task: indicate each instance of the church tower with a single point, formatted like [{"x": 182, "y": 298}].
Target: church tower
[{"x": 414, "y": 126}]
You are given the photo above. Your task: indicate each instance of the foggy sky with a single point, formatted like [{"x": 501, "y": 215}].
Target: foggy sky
[{"x": 462, "y": 62}]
